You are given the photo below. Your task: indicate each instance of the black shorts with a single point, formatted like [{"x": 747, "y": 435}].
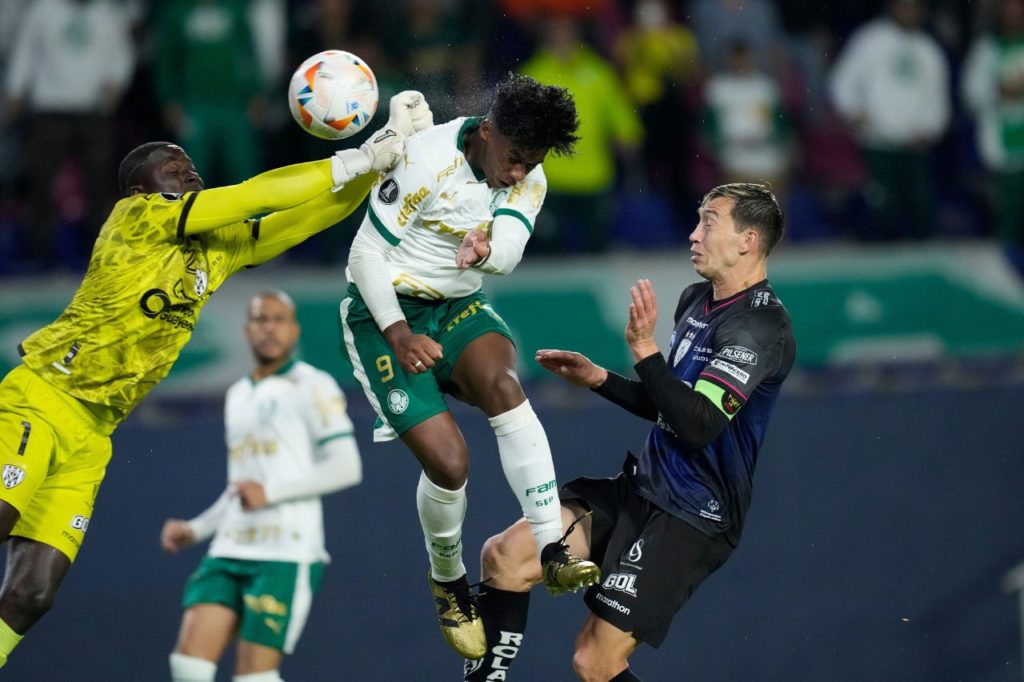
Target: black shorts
[{"x": 651, "y": 562}]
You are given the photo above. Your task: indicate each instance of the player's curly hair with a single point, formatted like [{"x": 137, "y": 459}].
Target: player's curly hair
[
  {"x": 756, "y": 207},
  {"x": 132, "y": 162},
  {"x": 535, "y": 116}
]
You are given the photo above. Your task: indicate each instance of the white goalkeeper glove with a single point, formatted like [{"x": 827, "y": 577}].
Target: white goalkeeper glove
[{"x": 409, "y": 113}]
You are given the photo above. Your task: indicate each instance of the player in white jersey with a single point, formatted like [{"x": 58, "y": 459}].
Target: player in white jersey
[
  {"x": 289, "y": 442},
  {"x": 416, "y": 324}
]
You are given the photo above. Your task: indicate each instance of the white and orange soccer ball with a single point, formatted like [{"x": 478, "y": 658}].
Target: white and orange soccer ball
[{"x": 333, "y": 95}]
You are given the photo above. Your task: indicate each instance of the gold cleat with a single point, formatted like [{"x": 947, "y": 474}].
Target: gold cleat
[
  {"x": 564, "y": 572},
  {"x": 561, "y": 570},
  {"x": 458, "y": 617}
]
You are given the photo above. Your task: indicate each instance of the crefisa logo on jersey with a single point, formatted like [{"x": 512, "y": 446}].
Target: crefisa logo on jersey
[
  {"x": 398, "y": 401},
  {"x": 12, "y": 475}
]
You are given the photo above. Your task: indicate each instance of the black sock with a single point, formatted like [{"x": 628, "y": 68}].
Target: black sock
[
  {"x": 504, "y": 616},
  {"x": 626, "y": 676}
]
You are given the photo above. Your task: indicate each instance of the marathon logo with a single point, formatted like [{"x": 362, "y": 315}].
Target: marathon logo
[
  {"x": 613, "y": 604},
  {"x": 71, "y": 538},
  {"x": 696, "y": 323}
]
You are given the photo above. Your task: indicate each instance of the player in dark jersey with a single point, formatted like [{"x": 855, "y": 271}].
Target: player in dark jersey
[
  {"x": 675, "y": 513},
  {"x": 166, "y": 247}
]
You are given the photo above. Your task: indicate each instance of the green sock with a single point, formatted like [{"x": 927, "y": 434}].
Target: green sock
[{"x": 8, "y": 640}]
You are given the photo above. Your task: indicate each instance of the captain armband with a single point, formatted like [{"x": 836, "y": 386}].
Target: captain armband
[{"x": 727, "y": 402}]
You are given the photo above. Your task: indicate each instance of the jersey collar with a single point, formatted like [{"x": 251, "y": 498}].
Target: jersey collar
[
  {"x": 469, "y": 125},
  {"x": 711, "y": 304},
  {"x": 283, "y": 369}
]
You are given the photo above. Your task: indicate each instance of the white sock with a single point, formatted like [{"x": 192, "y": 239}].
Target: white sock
[
  {"x": 191, "y": 669},
  {"x": 529, "y": 470},
  {"x": 441, "y": 514},
  {"x": 265, "y": 676}
]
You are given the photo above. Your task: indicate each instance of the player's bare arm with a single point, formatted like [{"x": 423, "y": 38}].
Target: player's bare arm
[{"x": 574, "y": 367}]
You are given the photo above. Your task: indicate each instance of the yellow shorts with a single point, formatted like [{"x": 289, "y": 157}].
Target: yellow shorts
[{"x": 53, "y": 456}]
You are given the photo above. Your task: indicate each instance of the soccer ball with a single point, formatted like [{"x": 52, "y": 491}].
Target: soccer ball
[{"x": 333, "y": 95}]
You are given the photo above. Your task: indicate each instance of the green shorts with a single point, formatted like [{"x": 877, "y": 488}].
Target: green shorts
[
  {"x": 272, "y": 598},
  {"x": 404, "y": 400}
]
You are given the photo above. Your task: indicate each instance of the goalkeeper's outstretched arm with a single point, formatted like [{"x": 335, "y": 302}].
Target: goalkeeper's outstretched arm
[
  {"x": 274, "y": 190},
  {"x": 282, "y": 230},
  {"x": 292, "y": 186}
]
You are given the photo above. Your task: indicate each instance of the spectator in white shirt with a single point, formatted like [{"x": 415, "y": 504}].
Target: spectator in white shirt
[
  {"x": 993, "y": 89},
  {"x": 890, "y": 84},
  {"x": 745, "y": 122}
]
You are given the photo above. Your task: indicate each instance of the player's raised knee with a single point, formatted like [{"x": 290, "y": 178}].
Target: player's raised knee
[{"x": 511, "y": 559}]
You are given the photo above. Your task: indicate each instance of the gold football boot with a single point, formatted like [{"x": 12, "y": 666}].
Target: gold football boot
[
  {"x": 562, "y": 571},
  {"x": 458, "y": 617}
]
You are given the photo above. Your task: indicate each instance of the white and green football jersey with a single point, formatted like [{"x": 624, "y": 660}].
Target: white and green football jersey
[
  {"x": 275, "y": 430},
  {"x": 432, "y": 199}
]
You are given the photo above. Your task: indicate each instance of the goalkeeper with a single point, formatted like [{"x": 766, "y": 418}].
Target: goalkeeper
[{"x": 166, "y": 247}]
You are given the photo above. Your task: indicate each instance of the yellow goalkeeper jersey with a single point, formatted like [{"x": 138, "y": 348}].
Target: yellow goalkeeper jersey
[
  {"x": 156, "y": 262},
  {"x": 139, "y": 301}
]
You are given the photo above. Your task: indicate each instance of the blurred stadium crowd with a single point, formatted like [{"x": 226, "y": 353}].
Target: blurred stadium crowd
[{"x": 874, "y": 121}]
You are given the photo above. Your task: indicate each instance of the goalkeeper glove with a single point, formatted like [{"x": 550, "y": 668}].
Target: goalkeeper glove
[{"x": 409, "y": 113}]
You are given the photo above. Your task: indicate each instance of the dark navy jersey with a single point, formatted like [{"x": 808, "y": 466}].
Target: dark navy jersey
[{"x": 736, "y": 353}]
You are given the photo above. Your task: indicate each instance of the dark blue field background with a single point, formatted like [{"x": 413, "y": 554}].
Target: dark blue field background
[{"x": 880, "y": 531}]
